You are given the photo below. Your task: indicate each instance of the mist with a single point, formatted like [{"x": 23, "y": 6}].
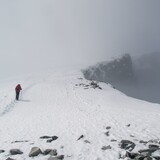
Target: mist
[
  {"x": 136, "y": 77},
  {"x": 40, "y": 35}
]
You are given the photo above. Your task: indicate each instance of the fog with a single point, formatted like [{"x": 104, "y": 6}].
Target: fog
[
  {"x": 137, "y": 77},
  {"x": 40, "y": 35}
]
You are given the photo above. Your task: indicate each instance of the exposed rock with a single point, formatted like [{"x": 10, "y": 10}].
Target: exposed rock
[
  {"x": 35, "y": 151},
  {"x": 49, "y": 140},
  {"x": 147, "y": 158},
  {"x": 128, "y": 125},
  {"x": 139, "y": 157},
  {"x": 52, "y": 152},
  {"x": 131, "y": 155},
  {"x": 116, "y": 71},
  {"x": 157, "y": 157},
  {"x": 45, "y": 137},
  {"x": 132, "y": 135},
  {"x": 10, "y": 158},
  {"x": 106, "y": 147},
  {"x": 82, "y": 136},
  {"x": 15, "y": 151},
  {"x": 153, "y": 146},
  {"x": 107, "y": 133},
  {"x": 108, "y": 127},
  {"x": 113, "y": 140},
  {"x": 20, "y": 141},
  {"x": 86, "y": 141},
  {"x": 127, "y": 145},
  {"x": 147, "y": 152},
  {"x": 144, "y": 142},
  {"x": 1, "y": 151},
  {"x": 61, "y": 157},
  {"x": 54, "y": 138}
]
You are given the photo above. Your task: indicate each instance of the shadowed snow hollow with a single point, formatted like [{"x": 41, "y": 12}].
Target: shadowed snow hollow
[{"x": 138, "y": 77}]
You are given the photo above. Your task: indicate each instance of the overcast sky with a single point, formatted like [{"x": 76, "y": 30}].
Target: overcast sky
[{"x": 42, "y": 34}]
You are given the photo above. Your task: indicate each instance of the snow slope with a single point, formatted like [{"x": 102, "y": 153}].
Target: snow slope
[{"x": 55, "y": 104}]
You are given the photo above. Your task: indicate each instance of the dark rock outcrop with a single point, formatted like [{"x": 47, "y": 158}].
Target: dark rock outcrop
[{"x": 127, "y": 145}]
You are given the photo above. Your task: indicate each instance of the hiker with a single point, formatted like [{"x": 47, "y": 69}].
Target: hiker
[{"x": 18, "y": 89}]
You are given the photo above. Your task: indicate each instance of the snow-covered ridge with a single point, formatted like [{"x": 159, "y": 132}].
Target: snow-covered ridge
[
  {"x": 89, "y": 118},
  {"x": 137, "y": 77}
]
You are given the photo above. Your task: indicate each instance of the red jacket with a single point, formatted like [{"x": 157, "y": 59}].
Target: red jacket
[{"x": 18, "y": 88}]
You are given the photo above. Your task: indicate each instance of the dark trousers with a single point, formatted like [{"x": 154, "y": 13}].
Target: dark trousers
[{"x": 17, "y": 95}]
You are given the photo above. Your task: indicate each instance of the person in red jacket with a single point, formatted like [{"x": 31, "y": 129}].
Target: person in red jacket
[{"x": 18, "y": 89}]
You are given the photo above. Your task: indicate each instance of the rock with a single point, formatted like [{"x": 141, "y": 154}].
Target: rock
[
  {"x": 106, "y": 147},
  {"x": 52, "y": 152},
  {"x": 132, "y": 135},
  {"x": 49, "y": 140},
  {"x": 113, "y": 140},
  {"x": 127, "y": 145},
  {"x": 10, "y": 158},
  {"x": 45, "y": 137},
  {"x": 139, "y": 157},
  {"x": 82, "y": 136},
  {"x": 131, "y": 155},
  {"x": 35, "y": 151},
  {"x": 15, "y": 151},
  {"x": 86, "y": 141},
  {"x": 147, "y": 152},
  {"x": 153, "y": 146},
  {"x": 1, "y": 151},
  {"x": 144, "y": 142},
  {"x": 147, "y": 158},
  {"x": 61, "y": 157},
  {"x": 108, "y": 127},
  {"x": 157, "y": 157},
  {"x": 128, "y": 125},
  {"x": 54, "y": 138},
  {"x": 107, "y": 133},
  {"x": 20, "y": 141}
]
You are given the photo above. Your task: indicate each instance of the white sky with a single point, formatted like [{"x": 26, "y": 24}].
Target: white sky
[{"x": 42, "y": 34}]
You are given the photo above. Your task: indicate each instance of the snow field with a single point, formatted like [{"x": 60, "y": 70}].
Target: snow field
[{"x": 52, "y": 104}]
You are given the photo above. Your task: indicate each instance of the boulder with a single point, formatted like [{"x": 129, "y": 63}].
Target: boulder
[
  {"x": 61, "y": 157},
  {"x": 147, "y": 152},
  {"x": 35, "y": 151},
  {"x": 127, "y": 145},
  {"x": 153, "y": 146},
  {"x": 52, "y": 152},
  {"x": 15, "y": 151}
]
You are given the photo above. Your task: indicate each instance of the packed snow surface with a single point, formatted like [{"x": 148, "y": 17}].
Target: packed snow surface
[{"x": 59, "y": 104}]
